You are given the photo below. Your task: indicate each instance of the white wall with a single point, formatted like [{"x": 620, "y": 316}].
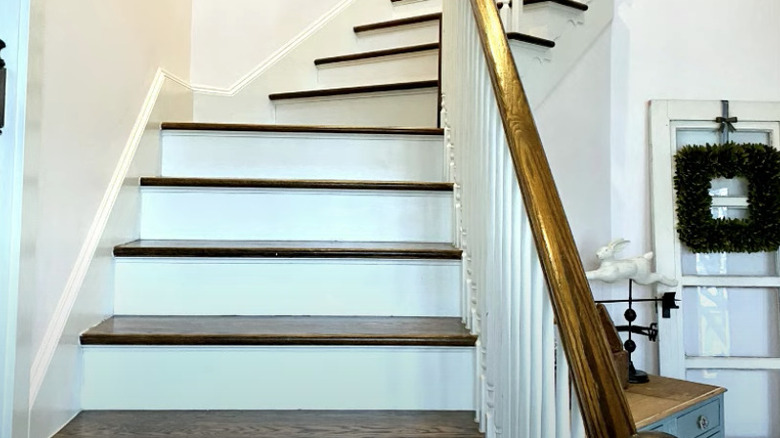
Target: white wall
[
  {"x": 672, "y": 49},
  {"x": 573, "y": 122},
  {"x": 230, "y": 40},
  {"x": 92, "y": 64}
]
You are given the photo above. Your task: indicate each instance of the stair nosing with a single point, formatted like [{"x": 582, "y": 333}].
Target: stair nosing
[
  {"x": 242, "y": 127},
  {"x": 193, "y": 331},
  {"x": 530, "y": 39},
  {"x": 275, "y": 340},
  {"x": 398, "y": 22},
  {"x": 270, "y": 252},
  {"x": 377, "y": 53},
  {"x": 568, "y": 3},
  {"x": 363, "y": 89},
  {"x": 295, "y": 184}
]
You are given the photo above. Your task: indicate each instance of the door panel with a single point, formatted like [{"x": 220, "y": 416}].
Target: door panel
[{"x": 727, "y": 332}]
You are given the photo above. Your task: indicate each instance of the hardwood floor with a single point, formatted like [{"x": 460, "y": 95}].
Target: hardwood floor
[
  {"x": 279, "y": 330},
  {"x": 273, "y": 424}
]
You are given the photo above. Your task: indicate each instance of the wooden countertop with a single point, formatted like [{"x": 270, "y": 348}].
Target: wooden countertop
[{"x": 664, "y": 397}]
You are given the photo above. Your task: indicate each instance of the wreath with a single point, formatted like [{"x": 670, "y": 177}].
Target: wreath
[{"x": 697, "y": 166}]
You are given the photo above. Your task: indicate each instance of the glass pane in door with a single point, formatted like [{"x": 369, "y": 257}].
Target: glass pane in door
[{"x": 722, "y": 321}]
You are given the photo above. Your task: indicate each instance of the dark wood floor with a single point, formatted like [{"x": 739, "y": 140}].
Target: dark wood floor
[
  {"x": 278, "y": 330},
  {"x": 273, "y": 424}
]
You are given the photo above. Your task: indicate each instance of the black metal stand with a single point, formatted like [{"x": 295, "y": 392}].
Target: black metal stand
[
  {"x": 668, "y": 302},
  {"x": 634, "y": 375}
]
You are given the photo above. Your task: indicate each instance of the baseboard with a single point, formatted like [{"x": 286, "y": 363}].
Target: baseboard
[{"x": 62, "y": 314}]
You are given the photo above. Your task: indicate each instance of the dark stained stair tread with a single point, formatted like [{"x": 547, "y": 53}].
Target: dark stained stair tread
[
  {"x": 530, "y": 39},
  {"x": 287, "y": 249},
  {"x": 378, "y": 53},
  {"x": 272, "y": 424},
  {"x": 399, "y": 86},
  {"x": 241, "y": 127},
  {"x": 569, "y": 3},
  {"x": 294, "y": 184},
  {"x": 398, "y": 22},
  {"x": 279, "y": 330}
]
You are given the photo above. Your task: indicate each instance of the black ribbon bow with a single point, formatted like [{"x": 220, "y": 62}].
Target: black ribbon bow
[{"x": 727, "y": 123}]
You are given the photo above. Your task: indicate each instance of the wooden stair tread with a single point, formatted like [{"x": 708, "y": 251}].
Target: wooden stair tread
[
  {"x": 530, "y": 39},
  {"x": 570, "y": 3},
  {"x": 279, "y": 330},
  {"x": 294, "y": 184},
  {"x": 377, "y": 53},
  {"x": 273, "y": 424},
  {"x": 398, "y": 22},
  {"x": 287, "y": 249},
  {"x": 242, "y": 127},
  {"x": 326, "y": 92}
]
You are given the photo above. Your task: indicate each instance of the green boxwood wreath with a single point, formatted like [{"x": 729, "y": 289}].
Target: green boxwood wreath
[{"x": 697, "y": 166}]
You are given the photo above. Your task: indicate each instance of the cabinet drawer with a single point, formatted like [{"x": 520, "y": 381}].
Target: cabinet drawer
[{"x": 699, "y": 422}]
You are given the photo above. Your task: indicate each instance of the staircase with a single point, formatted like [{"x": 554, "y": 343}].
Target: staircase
[{"x": 298, "y": 279}]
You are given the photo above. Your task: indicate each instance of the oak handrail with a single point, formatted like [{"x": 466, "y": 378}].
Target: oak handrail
[{"x": 605, "y": 410}]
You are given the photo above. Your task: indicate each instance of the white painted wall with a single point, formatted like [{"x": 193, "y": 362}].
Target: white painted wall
[
  {"x": 573, "y": 122},
  {"x": 671, "y": 49},
  {"x": 92, "y": 65},
  {"x": 230, "y": 39}
]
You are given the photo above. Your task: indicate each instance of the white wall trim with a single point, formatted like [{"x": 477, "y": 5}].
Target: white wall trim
[
  {"x": 56, "y": 327},
  {"x": 276, "y": 56}
]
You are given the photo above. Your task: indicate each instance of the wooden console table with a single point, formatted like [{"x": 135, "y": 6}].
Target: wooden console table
[{"x": 681, "y": 408}]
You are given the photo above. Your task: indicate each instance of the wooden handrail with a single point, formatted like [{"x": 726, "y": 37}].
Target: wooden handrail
[{"x": 605, "y": 411}]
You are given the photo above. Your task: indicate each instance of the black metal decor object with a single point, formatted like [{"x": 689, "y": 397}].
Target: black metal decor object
[
  {"x": 668, "y": 302},
  {"x": 634, "y": 375},
  {"x": 3, "y": 74}
]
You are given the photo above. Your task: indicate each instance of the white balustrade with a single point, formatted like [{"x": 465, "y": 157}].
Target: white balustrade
[{"x": 525, "y": 388}]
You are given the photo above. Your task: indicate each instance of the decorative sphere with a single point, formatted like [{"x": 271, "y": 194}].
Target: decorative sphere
[
  {"x": 630, "y": 346},
  {"x": 630, "y": 315}
]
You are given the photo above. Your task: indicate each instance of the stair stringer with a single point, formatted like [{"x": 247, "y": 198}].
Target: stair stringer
[
  {"x": 247, "y": 101},
  {"x": 541, "y": 72}
]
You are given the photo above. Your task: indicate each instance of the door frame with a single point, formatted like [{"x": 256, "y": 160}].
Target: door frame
[
  {"x": 664, "y": 118},
  {"x": 14, "y": 30}
]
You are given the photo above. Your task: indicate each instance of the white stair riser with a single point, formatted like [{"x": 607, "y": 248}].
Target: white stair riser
[
  {"x": 213, "y": 378},
  {"x": 296, "y": 214},
  {"x": 549, "y": 20},
  {"x": 159, "y": 286},
  {"x": 410, "y": 8},
  {"x": 420, "y": 66},
  {"x": 303, "y": 156},
  {"x": 412, "y": 108},
  {"x": 400, "y": 36}
]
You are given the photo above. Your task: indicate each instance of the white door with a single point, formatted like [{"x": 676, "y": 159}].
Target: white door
[
  {"x": 14, "y": 19},
  {"x": 727, "y": 332}
]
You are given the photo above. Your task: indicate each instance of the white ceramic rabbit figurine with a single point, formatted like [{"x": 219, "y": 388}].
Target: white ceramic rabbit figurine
[{"x": 637, "y": 268}]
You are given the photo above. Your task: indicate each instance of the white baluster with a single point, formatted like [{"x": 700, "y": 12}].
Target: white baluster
[{"x": 523, "y": 380}]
